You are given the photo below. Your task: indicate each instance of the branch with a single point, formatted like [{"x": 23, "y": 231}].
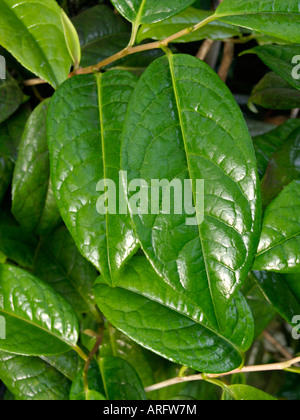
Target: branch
[{"x": 248, "y": 369}]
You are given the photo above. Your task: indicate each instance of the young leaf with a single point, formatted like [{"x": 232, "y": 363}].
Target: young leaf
[
  {"x": 278, "y": 18},
  {"x": 102, "y": 34},
  {"x": 15, "y": 243},
  {"x": 246, "y": 393},
  {"x": 190, "y": 17},
  {"x": 281, "y": 293},
  {"x": 120, "y": 380},
  {"x": 10, "y": 136},
  {"x": 178, "y": 127},
  {"x": 72, "y": 40},
  {"x": 11, "y": 97},
  {"x": 38, "y": 321},
  {"x": 59, "y": 263},
  {"x": 283, "y": 168},
  {"x": 279, "y": 248},
  {"x": 33, "y": 203},
  {"x": 31, "y": 378},
  {"x": 280, "y": 59},
  {"x": 267, "y": 144},
  {"x": 149, "y": 11},
  {"x": 33, "y": 33},
  {"x": 155, "y": 316},
  {"x": 275, "y": 93},
  {"x": 84, "y": 132}
]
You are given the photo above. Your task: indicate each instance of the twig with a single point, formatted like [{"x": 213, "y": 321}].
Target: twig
[
  {"x": 228, "y": 57},
  {"x": 247, "y": 369},
  {"x": 286, "y": 354},
  {"x": 204, "y": 49},
  {"x": 89, "y": 360},
  {"x": 34, "y": 82}
]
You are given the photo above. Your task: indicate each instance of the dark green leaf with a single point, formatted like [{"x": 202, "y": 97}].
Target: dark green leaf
[
  {"x": 267, "y": 144},
  {"x": 279, "y": 248},
  {"x": 278, "y": 18},
  {"x": 33, "y": 203},
  {"x": 33, "y": 33},
  {"x": 102, "y": 34},
  {"x": 30, "y": 378},
  {"x": 121, "y": 381},
  {"x": 10, "y": 136},
  {"x": 283, "y": 168},
  {"x": 280, "y": 59},
  {"x": 38, "y": 321},
  {"x": 60, "y": 264},
  {"x": 275, "y": 93},
  {"x": 94, "y": 379},
  {"x": 151, "y": 313},
  {"x": 11, "y": 97},
  {"x": 177, "y": 129},
  {"x": 84, "y": 132},
  {"x": 15, "y": 243},
  {"x": 281, "y": 294},
  {"x": 214, "y": 30}
]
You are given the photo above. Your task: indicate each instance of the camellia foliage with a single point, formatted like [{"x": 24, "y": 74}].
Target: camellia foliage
[{"x": 120, "y": 304}]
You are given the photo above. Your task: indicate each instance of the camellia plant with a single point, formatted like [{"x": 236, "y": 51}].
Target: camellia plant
[{"x": 150, "y": 200}]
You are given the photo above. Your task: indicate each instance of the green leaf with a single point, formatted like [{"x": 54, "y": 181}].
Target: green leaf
[
  {"x": 38, "y": 321},
  {"x": 155, "y": 316},
  {"x": 150, "y": 11},
  {"x": 263, "y": 312},
  {"x": 281, "y": 293},
  {"x": 102, "y": 34},
  {"x": 90, "y": 396},
  {"x": 119, "y": 345},
  {"x": 267, "y": 144},
  {"x": 190, "y": 17},
  {"x": 31, "y": 378},
  {"x": 280, "y": 59},
  {"x": 275, "y": 93},
  {"x": 247, "y": 393},
  {"x": 11, "y": 97},
  {"x": 10, "y": 136},
  {"x": 33, "y": 202},
  {"x": 120, "y": 380},
  {"x": 283, "y": 168},
  {"x": 279, "y": 248},
  {"x": 33, "y": 33},
  {"x": 15, "y": 243},
  {"x": 171, "y": 134},
  {"x": 59, "y": 263},
  {"x": 72, "y": 39},
  {"x": 84, "y": 133},
  {"x": 95, "y": 383},
  {"x": 278, "y": 18}
]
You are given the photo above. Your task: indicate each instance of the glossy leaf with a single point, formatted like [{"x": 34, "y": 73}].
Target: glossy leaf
[
  {"x": 281, "y": 293},
  {"x": 150, "y": 11},
  {"x": 84, "y": 133},
  {"x": 278, "y": 18},
  {"x": 59, "y": 263},
  {"x": 102, "y": 34},
  {"x": 279, "y": 248},
  {"x": 151, "y": 313},
  {"x": 33, "y": 203},
  {"x": 120, "y": 380},
  {"x": 10, "y": 136},
  {"x": 11, "y": 97},
  {"x": 33, "y": 33},
  {"x": 15, "y": 243},
  {"x": 283, "y": 168},
  {"x": 72, "y": 39},
  {"x": 267, "y": 144},
  {"x": 246, "y": 393},
  {"x": 280, "y": 59},
  {"x": 31, "y": 378},
  {"x": 177, "y": 129},
  {"x": 90, "y": 396},
  {"x": 38, "y": 321},
  {"x": 275, "y": 93},
  {"x": 190, "y": 17}
]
